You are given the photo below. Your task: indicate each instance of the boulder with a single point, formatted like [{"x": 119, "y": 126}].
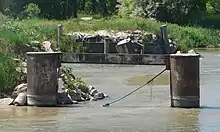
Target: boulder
[
  {"x": 105, "y": 95},
  {"x": 76, "y": 95},
  {"x": 91, "y": 88},
  {"x": 64, "y": 98},
  {"x": 47, "y": 46},
  {"x": 21, "y": 99},
  {"x": 178, "y": 52},
  {"x": 93, "y": 92},
  {"x": 85, "y": 96},
  {"x": 60, "y": 85},
  {"x": 6, "y": 101},
  {"x": 192, "y": 51},
  {"x": 22, "y": 88},
  {"x": 98, "y": 96}
]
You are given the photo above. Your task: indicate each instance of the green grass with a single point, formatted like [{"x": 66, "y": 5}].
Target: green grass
[
  {"x": 38, "y": 29},
  {"x": 9, "y": 77}
]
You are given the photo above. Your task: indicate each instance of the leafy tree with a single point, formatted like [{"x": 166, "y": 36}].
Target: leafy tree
[
  {"x": 175, "y": 11},
  {"x": 15, "y": 7},
  {"x": 213, "y": 6},
  {"x": 60, "y": 9}
]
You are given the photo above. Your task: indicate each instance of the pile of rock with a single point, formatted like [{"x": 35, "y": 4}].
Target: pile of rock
[
  {"x": 71, "y": 89},
  {"x": 66, "y": 96},
  {"x": 192, "y": 51},
  {"x": 150, "y": 42},
  {"x": 113, "y": 36}
]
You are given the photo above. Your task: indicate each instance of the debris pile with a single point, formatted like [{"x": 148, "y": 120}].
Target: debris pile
[
  {"x": 149, "y": 42},
  {"x": 71, "y": 89}
]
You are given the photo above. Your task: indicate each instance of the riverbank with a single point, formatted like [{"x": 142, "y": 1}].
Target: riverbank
[
  {"x": 29, "y": 30},
  {"x": 203, "y": 50},
  {"x": 17, "y": 35}
]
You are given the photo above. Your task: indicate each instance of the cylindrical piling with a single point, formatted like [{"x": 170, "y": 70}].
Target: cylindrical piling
[
  {"x": 59, "y": 34},
  {"x": 185, "y": 80},
  {"x": 42, "y": 78},
  {"x": 106, "y": 46}
]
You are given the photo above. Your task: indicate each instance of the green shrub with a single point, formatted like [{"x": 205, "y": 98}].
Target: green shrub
[
  {"x": 3, "y": 18},
  {"x": 38, "y": 29},
  {"x": 68, "y": 44},
  {"x": 71, "y": 82},
  {"x": 9, "y": 77},
  {"x": 17, "y": 34},
  {"x": 5, "y": 46},
  {"x": 31, "y": 11},
  {"x": 13, "y": 33},
  {"x": 126, "y": 8}
]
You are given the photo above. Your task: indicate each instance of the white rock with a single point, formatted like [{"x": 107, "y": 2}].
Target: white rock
[
  {"x": 60, "y": 85},
  {"x": 47, "y": 46},
  {"x": 22, "y": 88},
  {"x": 85, "y": 96},
  {"x": 91, "y": 88},
  {"x": 192, "y": 51},
  {"x": 98, "y": 96},
  {"x": 105, "y": 95},
  {"x": 178, "y": 52},
  {"x": 125, "y": 41},
  {"x": 21, "y": 99},
  {"x": 6, "y": 101},
  {"x": 76, "y": 95},
  {"x": 93, "y": 92},
  {"x": 64, "y": 98},
  {"x": 103, "y": 33}
]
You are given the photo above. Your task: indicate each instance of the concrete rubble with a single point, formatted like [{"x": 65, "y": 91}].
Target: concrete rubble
[
  {"x": 67, "y": 93},
  {"x": 149, "y": 42},
  {"x": 71, "y": 89},
  {"x": 192, "y": 51}
]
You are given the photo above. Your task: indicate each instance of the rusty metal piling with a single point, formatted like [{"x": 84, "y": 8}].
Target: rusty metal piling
[{"x": 185, "y": 80}]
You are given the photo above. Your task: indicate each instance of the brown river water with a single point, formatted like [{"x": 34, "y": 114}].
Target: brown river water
[{"x": 140, "y": 112}]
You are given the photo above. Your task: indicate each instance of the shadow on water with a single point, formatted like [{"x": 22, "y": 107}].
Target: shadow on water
[
  {"x": 32, "y": 111},
  {"x": 183, "y": 120},
  {"x": 61, "y": 106},
  {"x": 202, "y": 108},
  {"x": 210, "y": 107}
]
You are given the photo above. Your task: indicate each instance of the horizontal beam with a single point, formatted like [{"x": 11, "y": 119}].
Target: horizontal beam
[{"x": 101, "y": 58}]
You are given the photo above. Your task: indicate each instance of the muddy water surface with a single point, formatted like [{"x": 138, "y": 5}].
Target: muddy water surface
[{"x": 140, "y": 112}]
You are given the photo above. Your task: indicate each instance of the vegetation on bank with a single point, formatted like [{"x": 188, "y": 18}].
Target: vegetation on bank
[
  {"x": 28, "y": 21},
  {"x": 9, "y": 77},
  {"x": 28, "y": 30}
]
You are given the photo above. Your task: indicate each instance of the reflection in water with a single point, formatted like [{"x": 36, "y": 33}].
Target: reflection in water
[
  {"x": 27, "y": 118},
  {"x": 183, "y": 120}
]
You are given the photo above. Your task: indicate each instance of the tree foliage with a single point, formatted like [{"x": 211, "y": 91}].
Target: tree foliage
[
  {"x": 213, "y": 6},
  {"x": 174, "y": 11},
  {"x": 60, "y": 9}
]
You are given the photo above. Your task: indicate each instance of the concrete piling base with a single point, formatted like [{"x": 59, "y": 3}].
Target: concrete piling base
[
  {"x": 42, "y": 78},
  {"x": 185, "y": 80}
]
